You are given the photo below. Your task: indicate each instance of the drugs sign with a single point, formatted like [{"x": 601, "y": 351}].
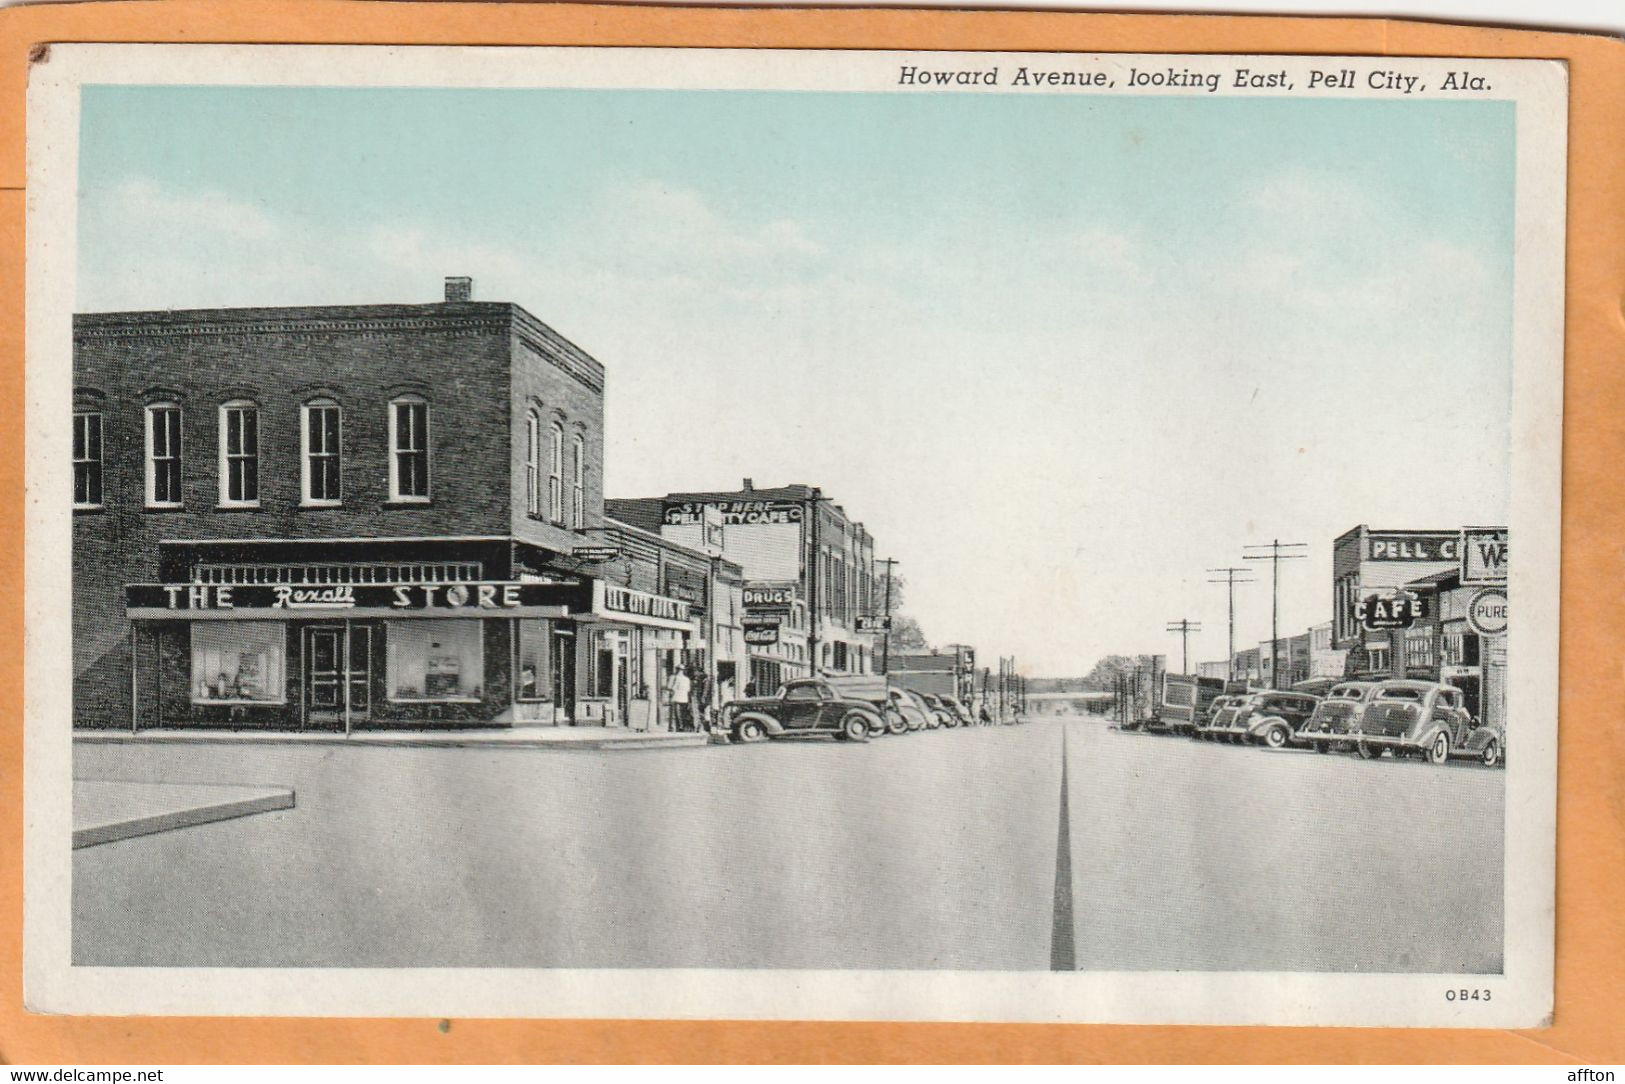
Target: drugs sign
[
  {"x": 1391, "y": 611},
  {"x": 1487, "y": 612},
  {"x": 769, "y": 598},
  {"x": 1484, "y": 555}
]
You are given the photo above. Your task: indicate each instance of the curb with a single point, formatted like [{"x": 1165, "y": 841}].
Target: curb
[{"x": 409, "y": 741}]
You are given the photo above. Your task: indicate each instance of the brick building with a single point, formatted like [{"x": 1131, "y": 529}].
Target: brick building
[
  {"x": 809, "y": 572},
  {"x": 345, "y": 516}
]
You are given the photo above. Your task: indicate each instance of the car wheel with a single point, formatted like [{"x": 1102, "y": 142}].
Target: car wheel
[
  {"x": 896, "y": 724},
  {"x": 1368, "y": 752},
  {"x": 1276, "y": 737},
  {"x": 751, "y": 731},
  {"x": 855, "y": 727},
  {"x": 1439, "y": 750},
  {"x": 1491, "y": 756},
  {"x": 1323, "y": 747}
]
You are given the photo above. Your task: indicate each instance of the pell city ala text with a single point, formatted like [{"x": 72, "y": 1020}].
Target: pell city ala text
[{"x": 1174, "y": 78}]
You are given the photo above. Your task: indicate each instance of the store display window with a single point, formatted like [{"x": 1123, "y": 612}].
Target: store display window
[
  {"x": 238, "y": 662},
  {"x": 435, "y": 660}
]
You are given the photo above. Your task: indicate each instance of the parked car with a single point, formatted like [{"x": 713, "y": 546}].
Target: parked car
[
  {"x": 1315, "y": 686},
  {"x": 959, "y": 710},
  {"x": 1205, "y": 722},
  {"x": 1329, "y": 726},
  {"x": 904, "y": 709},
  {"x": 1269, "y": 717},
  {"x": 939, "y": 710},
  {"x": 1425, "y": 719},
  {"x": 808, "y": 706},
  {"x": 1186, "y": 701}
]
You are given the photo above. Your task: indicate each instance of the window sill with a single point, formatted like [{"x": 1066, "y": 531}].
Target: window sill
[
  {"x": 444, "y": 700},
  {"x": 89, "y": 509},
  {"x": 307, "y": 506},
  {"x": 408, "y": 502},
  {"x": 164, "y": 508},
  {"x": 238, "y": 507},
  {"x": 239, "y": 703}
]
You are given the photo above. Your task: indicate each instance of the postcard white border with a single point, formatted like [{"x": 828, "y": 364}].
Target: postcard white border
[{"x": 1521, "y": 997}]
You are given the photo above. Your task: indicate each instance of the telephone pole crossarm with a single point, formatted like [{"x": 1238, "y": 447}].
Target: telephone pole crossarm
[{"x": 1278, "y": 551}]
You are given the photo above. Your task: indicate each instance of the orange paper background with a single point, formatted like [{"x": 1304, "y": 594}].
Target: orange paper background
[{"x": 1591, "y": 760}]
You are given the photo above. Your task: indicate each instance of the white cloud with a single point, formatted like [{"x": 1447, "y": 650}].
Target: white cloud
[{"x": 144, "y": 201}]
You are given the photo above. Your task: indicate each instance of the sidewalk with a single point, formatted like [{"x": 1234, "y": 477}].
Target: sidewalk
[
  {"x": 563, "y": 738},
  {"x": 105, "y": 811}
]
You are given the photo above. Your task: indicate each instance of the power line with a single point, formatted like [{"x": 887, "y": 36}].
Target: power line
[
  {"x": 1184, "y": 626},
  {"x": 1278, "y": 552},
  {"x": 1231, "y": 579}
]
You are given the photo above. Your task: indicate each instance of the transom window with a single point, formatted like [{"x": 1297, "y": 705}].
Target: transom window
[
  {"x": 164, "y": 455},
  {"x": 240, "y": 454},
  {"x": 408, "y": 449},
  {"x": 87, "y": 459},
  {"x": 320, "y": 464}
]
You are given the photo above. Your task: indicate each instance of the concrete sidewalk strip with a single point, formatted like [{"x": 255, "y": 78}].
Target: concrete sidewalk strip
[
  {"x": 106, "y": 810},
  {"x": 561, "y": 738}
]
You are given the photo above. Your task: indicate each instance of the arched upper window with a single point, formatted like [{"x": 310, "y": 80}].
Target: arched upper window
[
  {"x": 555, "y": 478},
  {"x": 409, "y": 449},
  {"x": 321, "y": 470},
  {"x": 533, "y": 464},
  {"x": 163, "y": 442},
  {"x": 240, "y": 454},
  {"x": 578, "y": 482}
]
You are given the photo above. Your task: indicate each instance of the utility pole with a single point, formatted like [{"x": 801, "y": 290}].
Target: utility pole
[
  {"x": 1278, "y": 551},
  {"x": 1231, "y": 579},
  {"x": 885, "y": 642},
  {"x": 1184, "y": 626}
]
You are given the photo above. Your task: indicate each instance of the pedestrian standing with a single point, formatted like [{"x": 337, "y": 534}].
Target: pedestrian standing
[{"x": 678, "y": 691}]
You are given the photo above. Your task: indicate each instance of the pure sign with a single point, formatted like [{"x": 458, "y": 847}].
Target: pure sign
[
  {"x": 1398, "y": 611},
  {"x": 1487, "y": 612}
]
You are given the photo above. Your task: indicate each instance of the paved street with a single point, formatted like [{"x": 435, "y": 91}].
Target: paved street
[{"x": 934, "y": 850}]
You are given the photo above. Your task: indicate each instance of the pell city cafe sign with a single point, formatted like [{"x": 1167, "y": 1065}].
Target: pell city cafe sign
[
  {"x": 406, "y": 600},
  {"x": 1391, "y": 610},
  {"x": 1487, "y": 612},
  {"x": 1412, "y": 546},
  {"x": 733, "y": 513}
]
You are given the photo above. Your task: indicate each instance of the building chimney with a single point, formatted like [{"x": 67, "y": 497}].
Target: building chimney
[
  {"x": 459, "y": 288},
  {"x": 749, "y": 485}
]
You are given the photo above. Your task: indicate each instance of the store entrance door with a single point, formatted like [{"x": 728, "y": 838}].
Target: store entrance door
[
  {"x": 562, "y": 661},
  {"x": 338, "y": 675}
]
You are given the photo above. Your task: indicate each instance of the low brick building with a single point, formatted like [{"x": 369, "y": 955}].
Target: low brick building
[{"x": 343, "y": 516}]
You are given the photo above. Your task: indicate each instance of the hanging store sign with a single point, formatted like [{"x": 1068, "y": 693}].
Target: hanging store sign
[
  {"x": 769, "y": 598},
  {"x": 1487, "y": 612},
  {"x": 761, "y": 621},
  {"x": 595, "y": 553},
  {"x": 684, "y": 584},
  {"x": 1391, "y": 610},
  {"x": 1484, "y": 555},
  {"x": 287, "y": 599},
  {"x": 1412, "y": 545},
  {"x": 762, "y": 637},
  {"x": 733, "y": 513},
  {"x": 873, "y": 623}
]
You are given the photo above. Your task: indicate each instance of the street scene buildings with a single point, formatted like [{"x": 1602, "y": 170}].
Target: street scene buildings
[{"x": 394, "y": 515}]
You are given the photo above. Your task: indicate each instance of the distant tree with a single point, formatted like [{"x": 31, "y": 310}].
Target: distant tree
[
  {"x": 1106, "y": 669},
  {"x": 906, "y": 635}
]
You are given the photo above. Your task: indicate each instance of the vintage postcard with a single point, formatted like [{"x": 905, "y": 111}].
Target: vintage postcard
[{"x": 793, "y": 534}]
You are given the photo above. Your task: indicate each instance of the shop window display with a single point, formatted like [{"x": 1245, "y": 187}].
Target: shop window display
[
  {"x": 236, "y": 662},
  {"x": 435, "y": 660}
]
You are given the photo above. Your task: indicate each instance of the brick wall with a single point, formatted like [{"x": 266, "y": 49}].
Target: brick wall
[{"x": 459, "y": 357}]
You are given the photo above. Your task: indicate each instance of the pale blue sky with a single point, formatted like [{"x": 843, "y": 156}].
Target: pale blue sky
[{"x": 1059, "y": 352}]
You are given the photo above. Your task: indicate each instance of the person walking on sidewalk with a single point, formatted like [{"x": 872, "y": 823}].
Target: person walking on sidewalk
[{"x": 677, "y": 692}]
